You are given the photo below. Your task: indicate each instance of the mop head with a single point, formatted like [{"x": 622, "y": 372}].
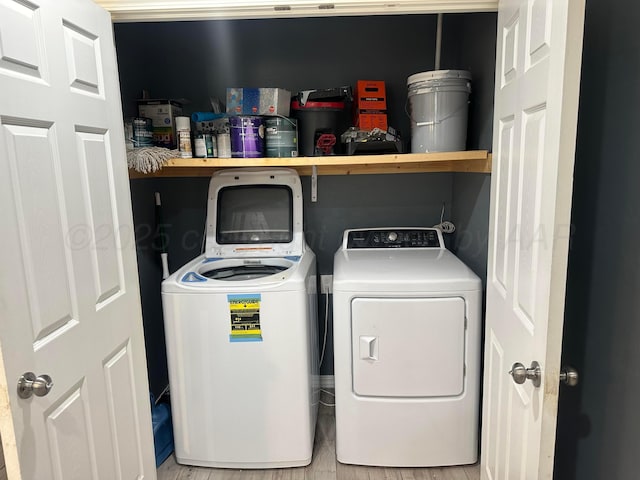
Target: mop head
[{"x": 149, "y": 159}]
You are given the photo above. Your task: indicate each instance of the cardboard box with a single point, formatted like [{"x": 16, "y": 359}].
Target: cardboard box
[
  {"x": 369, "y": 121},
  {"x": 163, "y": 115},
  {"x": 370, "y": 95},
  {"x": 258, "y": 101}
]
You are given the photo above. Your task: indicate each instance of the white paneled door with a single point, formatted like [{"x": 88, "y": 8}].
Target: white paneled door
[
  {"x": 538, "y": 59},
  {"x": 69, "y": 299}
]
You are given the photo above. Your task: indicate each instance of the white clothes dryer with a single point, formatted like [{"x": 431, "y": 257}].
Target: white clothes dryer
[
  {"x": 406, "y": 327},
  {"x": 241, "y": 329}
]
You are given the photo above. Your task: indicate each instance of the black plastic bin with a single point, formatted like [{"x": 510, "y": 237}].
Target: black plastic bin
[{"x": 320, "y": 125}]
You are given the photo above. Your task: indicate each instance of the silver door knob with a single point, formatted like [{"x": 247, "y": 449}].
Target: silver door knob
[
  {"x": 520, "y": 373},
  {"x": 569, "y": 376},
  {"x": 29, "y": 385}
]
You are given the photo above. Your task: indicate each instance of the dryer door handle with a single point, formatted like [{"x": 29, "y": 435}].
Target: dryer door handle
[{"x": 368, "y": 347}]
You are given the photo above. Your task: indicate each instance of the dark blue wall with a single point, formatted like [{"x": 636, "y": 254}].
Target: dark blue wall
[
  {"x": 198, "y": 60},
  {"x": 598, "y": 420},
  {"x": 472, "y": 47},
  {"x": 471, "y": 213}
]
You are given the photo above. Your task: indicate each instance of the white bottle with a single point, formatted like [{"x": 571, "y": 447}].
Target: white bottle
[
  {"x": 224, "y": 145},
  {"x": 183, "y": 132}
]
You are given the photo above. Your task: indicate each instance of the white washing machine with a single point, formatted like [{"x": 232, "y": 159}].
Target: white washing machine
[
  {"x": 241, "y": 329},
  {"x": 406, "y": 327}
]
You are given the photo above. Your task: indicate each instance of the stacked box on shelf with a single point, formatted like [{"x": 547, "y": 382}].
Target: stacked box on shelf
[
  {"x": 370, "y": 106},
  {"x": 162, "y": 113},
  {"x": 258, "y": 101}
]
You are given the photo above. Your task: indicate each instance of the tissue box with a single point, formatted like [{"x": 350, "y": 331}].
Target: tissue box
[{"x": 258, "y": 101}]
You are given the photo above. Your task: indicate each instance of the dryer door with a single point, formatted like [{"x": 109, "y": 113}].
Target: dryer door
[{"x": 408, "y": 347}]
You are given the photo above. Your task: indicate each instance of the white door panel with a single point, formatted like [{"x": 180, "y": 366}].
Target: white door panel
[
  {"x": 69, "y": 298},
  {"x": 537, "y": 82}
]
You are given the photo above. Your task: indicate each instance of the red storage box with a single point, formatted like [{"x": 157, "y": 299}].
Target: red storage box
[
  {"x": 369, "y": 121},
  {"x": 370, "y": 95}
]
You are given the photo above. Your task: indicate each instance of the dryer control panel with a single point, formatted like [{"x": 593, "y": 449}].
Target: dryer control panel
[{"x": 394, "y": 238}]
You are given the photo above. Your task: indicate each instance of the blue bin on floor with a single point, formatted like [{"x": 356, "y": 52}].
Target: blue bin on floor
[{"x": 162, "y": 430}]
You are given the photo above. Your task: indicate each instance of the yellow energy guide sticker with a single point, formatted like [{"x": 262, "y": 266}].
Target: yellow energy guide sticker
[{"x": 245, "y": 317}]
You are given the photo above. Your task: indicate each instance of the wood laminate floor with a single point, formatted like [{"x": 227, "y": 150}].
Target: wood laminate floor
[{"x": 323, "y": 467}]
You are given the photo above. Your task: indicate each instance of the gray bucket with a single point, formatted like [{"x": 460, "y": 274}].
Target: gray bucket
[{"x": 438, "y": 108}]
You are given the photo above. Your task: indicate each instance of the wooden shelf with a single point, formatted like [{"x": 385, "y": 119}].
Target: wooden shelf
[{"x": 472, "y": 161}]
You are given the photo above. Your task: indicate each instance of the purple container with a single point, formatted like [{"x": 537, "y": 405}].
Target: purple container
[{"x": 247, "y": 137}]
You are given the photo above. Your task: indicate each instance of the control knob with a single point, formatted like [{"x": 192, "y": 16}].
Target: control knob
[{"x": 392, "y": 236}]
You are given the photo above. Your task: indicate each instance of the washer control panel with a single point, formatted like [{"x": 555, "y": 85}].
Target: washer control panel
[{"x": 394, "y": 238}]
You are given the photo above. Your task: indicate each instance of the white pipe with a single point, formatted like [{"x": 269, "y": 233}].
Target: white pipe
[
  {"x": 438, "y": 41},
  {"x": 164, "y": 257}
]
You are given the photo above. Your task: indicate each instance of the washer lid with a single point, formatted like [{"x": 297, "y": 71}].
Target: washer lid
[
  {"x": 238, "y": 275},
  {"x": 254, "y": 213},
  {"x": 237, "y": 270}
]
